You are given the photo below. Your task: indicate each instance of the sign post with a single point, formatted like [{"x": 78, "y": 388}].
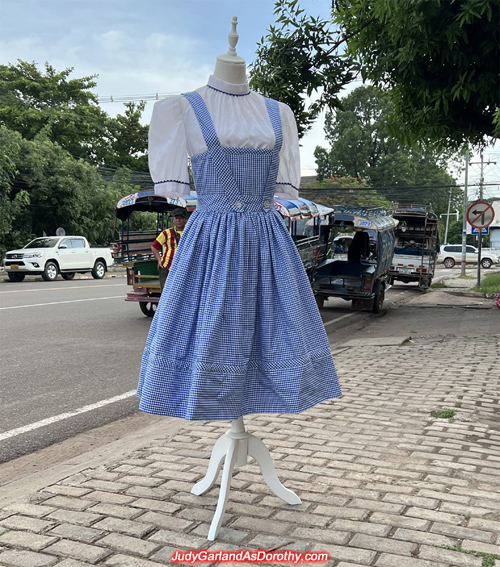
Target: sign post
[{"x": 480, "y": 215}]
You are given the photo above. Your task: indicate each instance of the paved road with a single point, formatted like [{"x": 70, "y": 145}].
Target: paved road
[{"x": 72, "y": 346}]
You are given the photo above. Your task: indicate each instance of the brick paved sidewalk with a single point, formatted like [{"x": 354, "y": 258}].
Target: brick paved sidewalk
[{"x": 383, "y": 482}]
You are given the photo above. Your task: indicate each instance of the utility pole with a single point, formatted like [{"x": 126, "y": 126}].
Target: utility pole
[
  {"x": 480, "y": 234},
  {"x": 448, "y": 215},
  {"x": 464, "y": 224}
]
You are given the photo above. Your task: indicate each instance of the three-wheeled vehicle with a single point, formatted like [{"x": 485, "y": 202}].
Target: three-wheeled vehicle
[
  {"x": 362, "y": 277},
  {"x": 134, "y": 246},
  {"x": 417, "y": 244}
]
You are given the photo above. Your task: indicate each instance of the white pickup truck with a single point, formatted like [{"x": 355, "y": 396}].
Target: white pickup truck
[{"x": 49, "y": 256}]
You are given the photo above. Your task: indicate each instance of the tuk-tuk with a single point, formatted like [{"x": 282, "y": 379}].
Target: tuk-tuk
[
  {"x": 417, "y": 244},
  {"x": 306, "y": 222},
  {"x": 133, "y": 247},
  {"x": 302, "y": 218},
  {"x": 362, "y": 276}
]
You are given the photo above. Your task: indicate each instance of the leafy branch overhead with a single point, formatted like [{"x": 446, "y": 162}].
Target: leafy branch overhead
[
  {"x": 438, "y": 58},
  {"x": 300, "y": 58}
]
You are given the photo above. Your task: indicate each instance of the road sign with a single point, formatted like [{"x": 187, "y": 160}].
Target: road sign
[
  {"x": 480, "y": 214},
  {"x": 483, "y": 230}
]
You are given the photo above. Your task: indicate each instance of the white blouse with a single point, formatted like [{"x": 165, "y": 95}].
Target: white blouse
[{"x": 240, "y": 119}]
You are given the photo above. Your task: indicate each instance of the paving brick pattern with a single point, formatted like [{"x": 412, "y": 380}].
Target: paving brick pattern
[{"x": 383, "y": 482}]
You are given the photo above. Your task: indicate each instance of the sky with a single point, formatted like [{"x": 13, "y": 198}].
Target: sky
[{"x": 142, "y": 47}]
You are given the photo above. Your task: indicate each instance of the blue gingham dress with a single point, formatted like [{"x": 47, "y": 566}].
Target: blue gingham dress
[{"x": 237, "y": 330}]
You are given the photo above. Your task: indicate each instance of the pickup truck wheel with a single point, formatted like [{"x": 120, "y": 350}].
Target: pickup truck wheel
[
  {"x": 68, "y": 275},
  {"x": 449, "y": 262},
  {"x": 148, "y": 308},
  {"x": 50, "y": 272},
  {"x": 486, "y": 263},
  {"x": 16, "y": 277},
  {"x": 98, "y": 270},
  {"x": 378, "y": 300}
]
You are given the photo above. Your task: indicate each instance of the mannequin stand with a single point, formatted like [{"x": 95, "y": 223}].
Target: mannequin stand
[{"x": 234, "y": 447}]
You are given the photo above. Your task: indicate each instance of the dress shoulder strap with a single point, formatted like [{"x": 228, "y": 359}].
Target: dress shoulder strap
[
  {"x": 204, "y": 119},
  {"x": 273, "y": 110}
]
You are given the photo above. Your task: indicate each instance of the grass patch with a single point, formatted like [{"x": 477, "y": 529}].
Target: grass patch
[
  {"x": 458, "y": 404},
  {"x": 443, "y": 413},
  {"x": 488, "y": 558},
  {"x": 489, "y": 284},
  {"x": 438, "y": 285}
]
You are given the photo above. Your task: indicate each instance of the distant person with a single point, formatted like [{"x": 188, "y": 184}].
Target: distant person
[{"x": 165, "y": 245}]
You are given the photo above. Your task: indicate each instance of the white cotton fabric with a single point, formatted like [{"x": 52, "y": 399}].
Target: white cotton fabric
[{"x": 240, "y": 119}]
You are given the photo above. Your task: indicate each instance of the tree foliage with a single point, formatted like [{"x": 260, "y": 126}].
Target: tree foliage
[
  {"x": 344, "y": 190},
  {"x": 440, "y": 59},
  {"x": 361, "y": 146},
  {"x": 299, "y": 58},
  {"x": 52, "y": 136},
  {"x": 65, "y": 111}
]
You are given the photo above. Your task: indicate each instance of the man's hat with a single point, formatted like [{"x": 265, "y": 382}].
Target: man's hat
[{"x": 180, "y": 213}]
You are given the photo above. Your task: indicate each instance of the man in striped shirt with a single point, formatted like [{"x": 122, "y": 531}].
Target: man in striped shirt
[{"x": 165, "y": 245}]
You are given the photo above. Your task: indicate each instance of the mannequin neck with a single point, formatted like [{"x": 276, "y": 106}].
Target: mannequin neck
[{"x": 231, "y": 71}]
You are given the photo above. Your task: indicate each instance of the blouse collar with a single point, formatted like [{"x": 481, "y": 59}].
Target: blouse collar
[{"x": 228, "y": 88}]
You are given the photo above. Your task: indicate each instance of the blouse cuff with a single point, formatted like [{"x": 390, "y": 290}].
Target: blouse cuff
[
  {"x": 286, "y": 191},
  {"x": 172, "y": 188}
]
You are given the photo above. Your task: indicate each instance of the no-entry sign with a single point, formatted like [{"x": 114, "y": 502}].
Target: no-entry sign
[{"x": 480, "y": 214}]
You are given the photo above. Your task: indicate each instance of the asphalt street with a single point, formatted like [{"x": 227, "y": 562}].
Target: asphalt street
[{"x": 72, "y": 351}]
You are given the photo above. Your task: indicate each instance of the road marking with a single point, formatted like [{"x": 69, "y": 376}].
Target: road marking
[
  {"x": 60, "y": 288},
  {"x": 338, "y": 319},
  {"x": 61, "y": 416},
  {"x": 61, "y": 302}
]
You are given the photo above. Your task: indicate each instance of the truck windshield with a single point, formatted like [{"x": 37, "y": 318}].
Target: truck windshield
[{"x": 42, "y": 243}]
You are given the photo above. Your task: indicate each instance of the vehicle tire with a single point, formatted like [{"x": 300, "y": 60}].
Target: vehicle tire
[
  {"x": 449, "y": 262},
  {"x": 378, "y": 300},
  {"x": 320, "y": 301},
  {"x": 13, "y": 277},
  {"x": 68, "y": 275},
  {"x": 486, "y": 263},
  {"x": 148, "y": 308},
  {"x": 50, "y": 272},
  {"x": 99, "y": 270}
]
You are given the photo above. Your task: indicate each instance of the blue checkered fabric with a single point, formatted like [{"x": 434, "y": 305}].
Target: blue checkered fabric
[{"x": 237, "y": 330}]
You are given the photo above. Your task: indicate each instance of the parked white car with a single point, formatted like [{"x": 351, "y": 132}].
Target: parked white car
[
  {"x": 451, "y": 254},
  {"x": 50, "y": 255}
]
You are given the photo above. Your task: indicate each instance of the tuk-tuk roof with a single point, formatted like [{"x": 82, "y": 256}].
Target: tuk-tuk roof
[
  {"x": 375, "y": 218},
  {"x": 413, "y": 210},
  {"x": 148, "y": 201}
]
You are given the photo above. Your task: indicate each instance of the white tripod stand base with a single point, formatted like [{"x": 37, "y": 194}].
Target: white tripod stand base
[{"x": 233, "y": 448}]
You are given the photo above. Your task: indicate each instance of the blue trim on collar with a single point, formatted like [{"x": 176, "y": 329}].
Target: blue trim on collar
[{"x": 229, "y": 94}]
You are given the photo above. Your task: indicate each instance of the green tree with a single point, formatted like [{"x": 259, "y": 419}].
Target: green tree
[
  {"x": 438, "y": 57},
  {"x": 42, "y": 187},
  {"x": 361, "y": 146},
  {"x": 66, "y": 112},
  {"x": 343, "y": 190},
  {"x": 298, "y": 58},
  {"x": 126, "y": 140},
  {"x": 64, "y": 109}
]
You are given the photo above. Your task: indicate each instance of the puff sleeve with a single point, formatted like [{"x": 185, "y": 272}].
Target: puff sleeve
[
  {"x": 167, "y": 149},
  {"x": 288, "y": 181}
]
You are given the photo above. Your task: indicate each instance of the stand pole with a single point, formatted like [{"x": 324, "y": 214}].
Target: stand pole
[{"x": 234, "y": 448}]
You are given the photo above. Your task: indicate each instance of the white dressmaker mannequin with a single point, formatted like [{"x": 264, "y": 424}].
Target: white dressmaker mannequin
[{"x": 236, "y": 445}]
